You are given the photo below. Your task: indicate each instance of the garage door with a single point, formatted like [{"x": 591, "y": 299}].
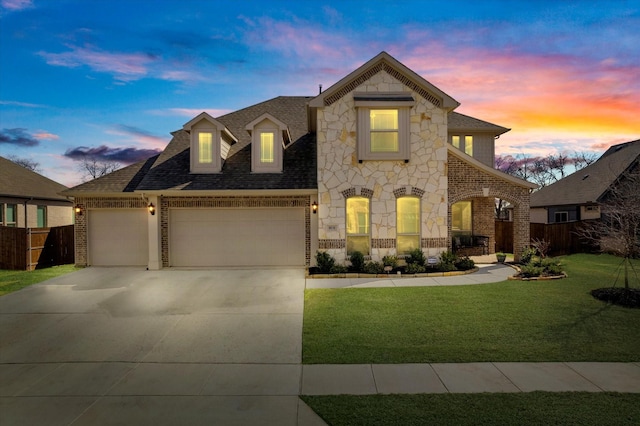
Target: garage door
[
  {"x": 237, "y": 237},
  {"x": 118, "y": 237}
]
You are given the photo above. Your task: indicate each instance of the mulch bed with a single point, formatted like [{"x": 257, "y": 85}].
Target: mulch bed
[{"x": 629, "y": 298}]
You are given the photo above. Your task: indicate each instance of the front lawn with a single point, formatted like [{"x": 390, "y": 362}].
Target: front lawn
[
  {"x": 506, "y": 321},
  {"x": 15, "y": 280},
  {"x": 535, "y": 408}
]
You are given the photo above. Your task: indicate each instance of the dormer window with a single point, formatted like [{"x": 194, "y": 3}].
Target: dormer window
[
  {"x": 210, "y": 143},
  {"x": 383, "y": 125},
  {"x": 269, "y": 138}
]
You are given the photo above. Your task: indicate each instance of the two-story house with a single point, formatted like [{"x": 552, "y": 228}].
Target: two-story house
[{"x": 378, "y": 163}]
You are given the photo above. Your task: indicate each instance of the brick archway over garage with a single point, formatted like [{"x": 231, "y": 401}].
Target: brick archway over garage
[{"x": 468, "y": 179}]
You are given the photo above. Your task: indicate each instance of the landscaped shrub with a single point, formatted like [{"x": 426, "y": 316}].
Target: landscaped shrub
[
  {"x": 390, "y": 261},
  {"x": 338, "y": 269},
  {"x": 538, "y": 267},
  {"x": 551, "y": 266},
  {"x": 527, "y": 255},
  {"x": 416, "y": 256},
  {"x": 447, "y": 262},
  {"x": 414, "y": 268},
  {"x": 372, "y": 267},
  {"x": 357, "y": 261},
  {"x": 530, "y": 270},
  {"x": 324, "y": 261},
  {"x": 464, "y": 263}
]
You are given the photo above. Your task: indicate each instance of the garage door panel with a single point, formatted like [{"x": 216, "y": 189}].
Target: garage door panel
[
  {"x": 118, "y": 237},
  {"x": 237, "y": 237}
]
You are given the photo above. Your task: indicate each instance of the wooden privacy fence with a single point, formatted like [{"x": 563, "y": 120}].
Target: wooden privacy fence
[
  {"x": 35, "y": 248},
  {"x": 561, "y": 236}
]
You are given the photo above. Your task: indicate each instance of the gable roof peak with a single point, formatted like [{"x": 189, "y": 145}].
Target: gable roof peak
[{"x": 385, "y": 62}]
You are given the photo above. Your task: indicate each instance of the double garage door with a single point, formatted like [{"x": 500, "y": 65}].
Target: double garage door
[
  {"x": 236, "y": 237},
  {"x": 200, "y": 237}
]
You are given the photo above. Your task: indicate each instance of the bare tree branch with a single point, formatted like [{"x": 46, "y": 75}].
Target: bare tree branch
[{"x": 27, "y": 163}]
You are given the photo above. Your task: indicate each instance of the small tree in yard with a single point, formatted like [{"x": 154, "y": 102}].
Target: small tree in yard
[{"x": 618, "y": 232}]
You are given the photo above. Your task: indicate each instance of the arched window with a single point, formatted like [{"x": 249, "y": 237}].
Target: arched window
[
  {"x": 408, "y": 224},
  {"x": 358, "y": 229}
]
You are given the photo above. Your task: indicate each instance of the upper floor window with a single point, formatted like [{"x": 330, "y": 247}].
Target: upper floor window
[
  {"x": 269, "y": 137},
  {"x": 267, "y": 147},
  {"x": 210, "y": 143},
  {"x": 455, "y": 141},
  {"x": 561, "y": 217},
  {"x": 358, "y": 238},
  {"x": 205, "y": 147},
  {"x": 408, "y": 224},
  {"x": 383, "y": 125},
  {"x": 466, "y": 146}
]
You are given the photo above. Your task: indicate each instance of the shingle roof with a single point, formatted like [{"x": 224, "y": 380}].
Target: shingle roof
[
  {"x": 170, "y": 170},
  {"x": 588, "y": 185},
  {"x": 17, "y": 181},
  {"x": 460, "y": 122}
]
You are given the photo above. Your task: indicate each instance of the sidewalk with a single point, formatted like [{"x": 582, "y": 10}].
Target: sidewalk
[
  {"x": 369, "y": 379},
  {"x": 487, "y": 273}
]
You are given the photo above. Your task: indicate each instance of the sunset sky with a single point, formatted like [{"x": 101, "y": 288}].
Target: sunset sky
[{"x": 114, "y": 77}]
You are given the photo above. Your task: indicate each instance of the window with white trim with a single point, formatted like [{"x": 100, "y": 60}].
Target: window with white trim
[
  {"x": 408, "y": 224},
  {"x": 358, "y": 234},
  {"x": 210, "y": 143},
  {"x": 269, "y": 137},
  {"x": 468, "y": 145},
  {"x": 383, "y": 130},
  {"x": 465, "y": 145},
  {"x": 8, "y": 215},
  {"x": 561, "y": 217}
]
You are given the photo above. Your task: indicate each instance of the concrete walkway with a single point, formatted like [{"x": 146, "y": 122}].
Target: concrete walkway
[
  {"x": 487, "y": 273},
  {"x": 370, "y": 379}
]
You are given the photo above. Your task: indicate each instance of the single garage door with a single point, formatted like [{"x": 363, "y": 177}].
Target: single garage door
[
  {"x": 118, "y": 237},
  {"x": 237, "y": 237}
]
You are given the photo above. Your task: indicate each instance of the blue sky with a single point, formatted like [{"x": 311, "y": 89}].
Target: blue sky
[{"x": 114, "y": 77}]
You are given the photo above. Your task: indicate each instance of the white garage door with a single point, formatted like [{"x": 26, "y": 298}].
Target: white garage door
[
  {"x": 237, "y": 237},
  {"x": 118, "y": 237}
]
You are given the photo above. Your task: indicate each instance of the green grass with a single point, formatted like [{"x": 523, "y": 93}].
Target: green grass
[
  {"x": 536, "y": 408},
  {"x": 507, "y": 321},
  {"x": 11, "y": 281}
]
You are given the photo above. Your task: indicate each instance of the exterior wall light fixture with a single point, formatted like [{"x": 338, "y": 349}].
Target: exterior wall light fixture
[
  {"x": 314, "y": 207},
  {"x": 152, "y": 209},
  {"x": 78, "y": 210}
]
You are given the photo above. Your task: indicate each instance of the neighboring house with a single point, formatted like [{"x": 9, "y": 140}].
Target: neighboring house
[
  {"x": 28, "y": 199},
  {"x": 368, "y": 165},
  {"x": 578, "y": 196}
]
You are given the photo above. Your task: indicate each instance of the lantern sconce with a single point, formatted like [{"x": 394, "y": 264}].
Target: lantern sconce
[
  {"x": 152, "y": 209},
  {"x": 314, "y": 207},
  {"x": 78, "y": 210}
]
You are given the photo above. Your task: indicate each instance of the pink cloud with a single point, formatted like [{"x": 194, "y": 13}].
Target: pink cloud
[
  {"x": 124, "y": 66},
  {"x": 45, "y": 136},
  {"x": 17, "y": 4}
]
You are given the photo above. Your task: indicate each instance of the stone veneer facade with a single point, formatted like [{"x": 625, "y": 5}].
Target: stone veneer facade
[{"x": 340, "y": 175}]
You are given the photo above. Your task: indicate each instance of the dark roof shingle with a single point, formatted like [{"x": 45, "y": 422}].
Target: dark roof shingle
[{"x": 589, "y": 184}]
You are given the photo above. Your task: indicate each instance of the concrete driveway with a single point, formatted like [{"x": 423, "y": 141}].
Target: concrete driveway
[{"x": 129, "y": 346}]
